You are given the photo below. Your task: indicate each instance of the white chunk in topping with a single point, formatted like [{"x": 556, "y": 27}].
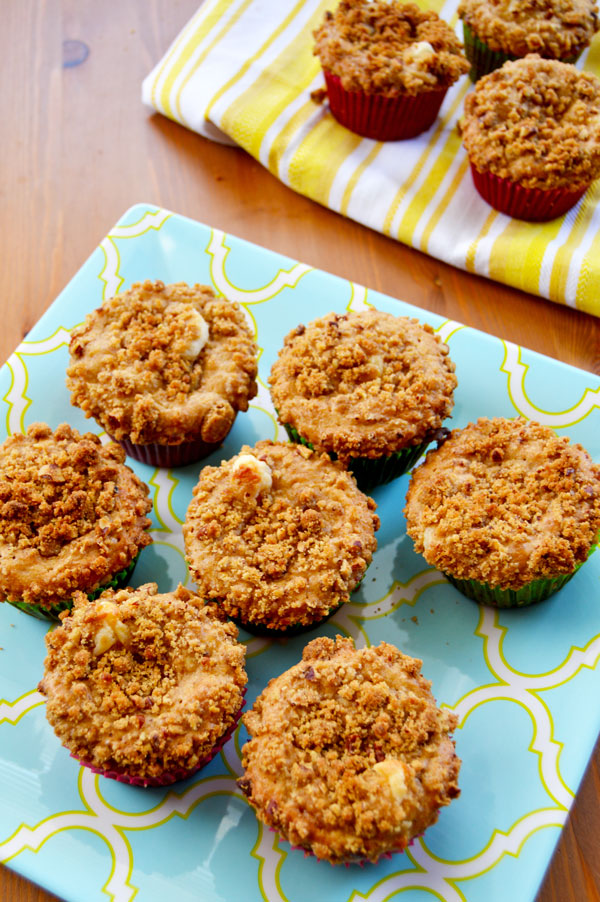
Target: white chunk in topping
[
  {"x": 254, "y": 475},
  {"x": 111, "y": 629},
  {"x": 393, "y": 772},
  {"x": 198, "y": 327},
  {"x": 418, "y": 55}
]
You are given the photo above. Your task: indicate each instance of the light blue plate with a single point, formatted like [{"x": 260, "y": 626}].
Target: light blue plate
[{"x": 524, "y": 683}]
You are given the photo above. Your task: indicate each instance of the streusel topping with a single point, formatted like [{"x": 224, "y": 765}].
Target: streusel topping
[
  {"x": 363, "y": 384},
  {"x": 557, "y": 29},
  {"x": 505, "y": 502},
  {"x": 71, "y": 514},
  {"x": 164, "y": 363},
  {"x": 349, "y": 755},
  {"x": 279, "y": 535},
  {"x": 141, "y": 682},
  {"x": 384, "y": 47},
  {"x": 535, "y": 122}
]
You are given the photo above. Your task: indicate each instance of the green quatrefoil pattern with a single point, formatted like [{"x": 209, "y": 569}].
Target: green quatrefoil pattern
[{"x": 524, "y": 683}]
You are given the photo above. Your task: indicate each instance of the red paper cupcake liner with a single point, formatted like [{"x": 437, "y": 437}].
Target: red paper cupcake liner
[
  {"x": 530, "y": 204},
  {"x": 381, "y": 117},
  {"x": 172, "y": 776},
  {"x": 168, "y": 455}
]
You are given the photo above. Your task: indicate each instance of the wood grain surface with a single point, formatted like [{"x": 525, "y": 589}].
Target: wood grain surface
[{"x": 78, "y": 148}]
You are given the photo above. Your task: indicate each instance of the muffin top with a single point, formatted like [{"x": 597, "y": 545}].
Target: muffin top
[
  {"x": 557, "y": 29},
  {"x": 279, "y": 535},
  {"x": 142, "y": 683},
  {"x": 505, "y": 502},
  {"x": 363, "y": 384},
  {"x": 163, "y": 363},
  {"x": 71, "y": 514},
  {"x": 535, "y": 122},
  {"x": 388, "y": 48},
  {"x": 349, "y": 756}
]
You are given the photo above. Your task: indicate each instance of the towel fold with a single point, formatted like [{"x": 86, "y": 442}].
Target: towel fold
[{"x": 242, "y": 72}]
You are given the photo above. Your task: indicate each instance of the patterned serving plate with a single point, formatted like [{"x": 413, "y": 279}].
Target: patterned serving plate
[{"x": 524, "y": 683}]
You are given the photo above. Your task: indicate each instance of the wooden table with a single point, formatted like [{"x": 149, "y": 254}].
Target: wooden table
[{"x": 78, "y": 149}]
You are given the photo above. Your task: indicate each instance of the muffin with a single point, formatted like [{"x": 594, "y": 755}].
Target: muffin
[
  {"x": 370, "y": 389},
  {"x": 141, "y": 687},
  {"x": 499, "y": 30},
  {"x": 279, "y": 536},
  {"x": 506, "y": 509},
  {"x": 164, "y": 370},
  {"x": 387, "y": 66},
  {"x": 349, "y": 758},
  {"x": 72, "y": 517},
  {"x": 532, "y": 133}
]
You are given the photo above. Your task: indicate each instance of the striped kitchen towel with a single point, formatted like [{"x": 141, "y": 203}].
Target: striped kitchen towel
[{"x": 242, "y": 71}]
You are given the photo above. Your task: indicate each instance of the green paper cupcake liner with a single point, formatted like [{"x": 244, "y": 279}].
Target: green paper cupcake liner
[
  {"x": 484, "y": 60},
  {"x": 370, "y": 472},
  {"x": 119, "y": 580},
  {"x": 536, "y": 591}
]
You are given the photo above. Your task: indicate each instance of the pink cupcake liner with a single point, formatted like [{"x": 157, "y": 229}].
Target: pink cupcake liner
[
  {"x": 168, "y": 455},
  {"x": 381, "y": 117},
  {"x": 172, "y": 776},
  {"x": 530, "y": 204}
]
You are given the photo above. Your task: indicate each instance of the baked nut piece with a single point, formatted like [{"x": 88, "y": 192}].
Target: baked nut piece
[
  {"x": 506, "y": 509},
  {"x": 141, "y": 687},
  {"x": 279, "y": 536},
  {"x": 72, "y": 517},
  {"x": 349, "y": 757},
  {"x": 387, "y": 66},
  {"x": 532, "y": 133},
  {"x": 499, "y": 30},
  {"x": 164, "y": 370},
  {"x": 369, "y": 388}
]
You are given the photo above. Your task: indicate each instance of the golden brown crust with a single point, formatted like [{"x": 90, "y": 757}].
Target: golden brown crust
[
  {"x": 131, "y": 367},
  {"x": 556, "y": 29},
  {"x": 280, "y": 555},
  {"x": 535, "y": 122},
  {"x": 153, "y": 697},
  {"x": 363, "y": 384},
  {"x": 505, "y": 502},
  {"x": 389, "y": 48},
  {"x": 349, "y": 756},
  {"x": 72, "y": 515}
]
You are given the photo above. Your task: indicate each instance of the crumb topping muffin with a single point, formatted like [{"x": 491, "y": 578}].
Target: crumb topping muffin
[
  {"x": 557, "y": 29},
  {"x": 505, "y": 502},
  {"x": 279, "y": 535},
  {"x": 71, "y": 514},
  {"x": 535, "y": 122},
  {"x": 163, "y": 363},
  {"x": 349, "y": 756},
  {"x": 363, "y": 384},
  {"x": 388, "y": 48},
  {"x": 142, "y": 683}
]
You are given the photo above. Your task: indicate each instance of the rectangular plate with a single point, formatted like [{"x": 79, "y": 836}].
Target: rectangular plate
[{"x": 524, "y": 683}]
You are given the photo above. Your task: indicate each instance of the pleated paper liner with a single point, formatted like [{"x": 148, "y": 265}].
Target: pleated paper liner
[
  {"x": 169, "y": 777},
  {"x": 530, "y": 204},
  {"x": 168, "y": 455},
  {"x": 118, "y": 581},
  {"x": 370, "y": 472},
  {"x": 536, "y": 591},
  {"x": 484, "y": 60},
  {"x": 382, "y": 117}
]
